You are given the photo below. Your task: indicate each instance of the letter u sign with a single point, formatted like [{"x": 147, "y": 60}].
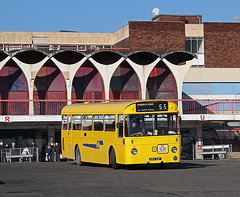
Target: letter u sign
[{"x": 202, "y": 117}]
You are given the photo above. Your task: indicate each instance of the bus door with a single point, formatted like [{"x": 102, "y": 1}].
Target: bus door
[
  {"x": 96, "y": 138},
  {"x": 70, "y": 147},
  {"x": 76, "y": 130},
  {"x": 86, "y": 132},
  {"x": 108, "y": 135},
  {"x": 119, "y": 139},
  {"x": 64, "y": 135},
  {"x": 92, "y": 126}
]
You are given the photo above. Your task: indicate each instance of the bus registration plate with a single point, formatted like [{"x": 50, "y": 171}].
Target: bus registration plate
[{"x": 162, "y": 148}]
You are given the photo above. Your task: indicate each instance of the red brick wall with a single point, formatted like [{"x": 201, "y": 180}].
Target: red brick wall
[
  {"x": 156, "y": 36},
  {"x": 222, "y": 45},
  {"x": 191, "y": 19},
  {"x": 122, "y": 44}
]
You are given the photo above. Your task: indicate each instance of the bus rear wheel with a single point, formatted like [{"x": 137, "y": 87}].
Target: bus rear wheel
[
  {"x": 78, "y": 156},
  {"x": 113, "y": 162}
]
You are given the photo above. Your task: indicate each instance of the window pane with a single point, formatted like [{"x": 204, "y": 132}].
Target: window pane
[
  {"x": 87, "y": 122},
  {"x": 76, "y": 122},
  {"x": 200, "y": 45},
  {"x": 64, "y": 122},
  {"x": 194, "y": 46},
  {"x": 120, "y": 125},
  {"x": 97, "y": 122},
  {"x": 188, "y": 45},
  {"x": 109, "y": 122},
  {"x": 69, "y": 123}
]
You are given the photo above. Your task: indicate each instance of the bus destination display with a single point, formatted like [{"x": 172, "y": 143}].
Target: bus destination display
[{"x": 152, "y": 106}]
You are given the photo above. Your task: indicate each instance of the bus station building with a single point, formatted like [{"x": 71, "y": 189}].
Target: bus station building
[{"x": 173, "y": 57}]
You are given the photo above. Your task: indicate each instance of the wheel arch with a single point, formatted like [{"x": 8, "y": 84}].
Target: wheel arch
[
  {"x": 109, "y": 152},
  {"x": 75, "y": 151}
]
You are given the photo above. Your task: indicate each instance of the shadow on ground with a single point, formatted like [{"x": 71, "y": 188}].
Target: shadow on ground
[{"x": 173, "y": 166}]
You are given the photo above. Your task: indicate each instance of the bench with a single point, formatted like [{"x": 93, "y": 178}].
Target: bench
[
  {"x": 20, "y": 157},
  {"x": 216, "y": 150}
]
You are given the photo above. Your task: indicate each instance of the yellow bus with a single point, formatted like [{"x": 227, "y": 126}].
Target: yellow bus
[{"x": 114, "y": 133}]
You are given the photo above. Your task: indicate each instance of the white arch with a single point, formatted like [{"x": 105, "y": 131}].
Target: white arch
[
  {"x": 2, "y": 63},
  {"x": 106, "y": 71},
  {"x": 179, "y": 73},
  {"x": 72, "y": 70},
  {"x": 143, "y": 71},
  {"x": 30, "y": 71}
]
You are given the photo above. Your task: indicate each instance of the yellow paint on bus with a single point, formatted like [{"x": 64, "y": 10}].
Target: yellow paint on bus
[{"x": 141, "y": 132}]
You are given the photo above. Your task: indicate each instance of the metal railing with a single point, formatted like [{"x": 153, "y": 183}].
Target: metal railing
[
  {"x": 54, "y": 107},
  {"x": 219, "y": 151},
  {"x": 58, "y": 47}
]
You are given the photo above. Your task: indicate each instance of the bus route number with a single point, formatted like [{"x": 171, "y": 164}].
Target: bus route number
[{"x": 163, "y": 107}]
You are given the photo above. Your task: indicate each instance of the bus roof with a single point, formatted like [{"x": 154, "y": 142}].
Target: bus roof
[{"x": 103, "y": 108}]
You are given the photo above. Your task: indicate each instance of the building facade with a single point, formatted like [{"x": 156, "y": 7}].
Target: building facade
[{"x": 171, "y": 57}]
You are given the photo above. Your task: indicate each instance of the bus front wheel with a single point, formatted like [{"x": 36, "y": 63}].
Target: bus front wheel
[
  {"x": 78, "y": 156},
  {"x": 113, "y": 162}
]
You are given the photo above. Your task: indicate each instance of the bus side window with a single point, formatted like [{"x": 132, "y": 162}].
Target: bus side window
[
  {"x": 69, "y": 123},
  {"x": 109, "y": 122},
  {"x": 76, "y": 122},
  {"x": 64, "y": 122},
  {"x": 120, "y": 125},
  {"x": 87, "y": 122},
  {"x": 97, "y": 122}
]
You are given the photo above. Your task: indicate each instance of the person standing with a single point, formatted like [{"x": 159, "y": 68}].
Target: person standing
[
  {"x": 48, "y": 151},
  {"x": 52, "y": 152},
  {"x": 7, "y": 152},
  {"x": 57, "y": 153},
  {"x": 34, "y": 151},
  {"x": 1, "y": 148}
]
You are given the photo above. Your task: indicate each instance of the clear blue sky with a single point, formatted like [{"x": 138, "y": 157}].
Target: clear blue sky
[{"x": 105, "y": 15}]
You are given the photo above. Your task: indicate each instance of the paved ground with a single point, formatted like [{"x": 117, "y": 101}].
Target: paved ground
[{"x": 190, "y": 178}]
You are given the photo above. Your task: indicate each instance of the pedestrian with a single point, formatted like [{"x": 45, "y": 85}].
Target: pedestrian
[
  {"x": 52, "y": 152},
  {"x": 34, "y": 151},
  {"x": 57, "y": 153},
  {"x": 7, "y": 152},
  {"x": 1, "y": 148},
  {"x": 48, "y": 151}
]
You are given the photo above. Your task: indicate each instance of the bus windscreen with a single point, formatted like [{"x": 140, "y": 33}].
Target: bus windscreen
[{"x": 150, "y": 124}]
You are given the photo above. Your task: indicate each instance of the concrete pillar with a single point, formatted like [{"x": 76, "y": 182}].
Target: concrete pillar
[
  {"x": 2, "y": 63},
  {"x": 106, "y": 71},
  {"x": 69, "y": 91},
  {"x": 30, "y": 95},
  {"x": 51, "y": 134},
  {"x": 179, "y": 72},
  {"x": 30, "y": 71},
  {"x": 68, "y": 72},
  {"x": 143, "y": 72}
]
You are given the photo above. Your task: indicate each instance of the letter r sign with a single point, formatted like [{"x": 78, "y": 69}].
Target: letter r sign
[{"x": 7, "y": 119}]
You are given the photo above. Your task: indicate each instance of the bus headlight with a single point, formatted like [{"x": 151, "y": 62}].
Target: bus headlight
[
  {"x": 174, "y": 149},
  {"x": 134, "y": 151}
]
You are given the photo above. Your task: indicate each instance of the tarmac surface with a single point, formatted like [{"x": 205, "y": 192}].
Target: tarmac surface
[{"x": 189, "y": 178}]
